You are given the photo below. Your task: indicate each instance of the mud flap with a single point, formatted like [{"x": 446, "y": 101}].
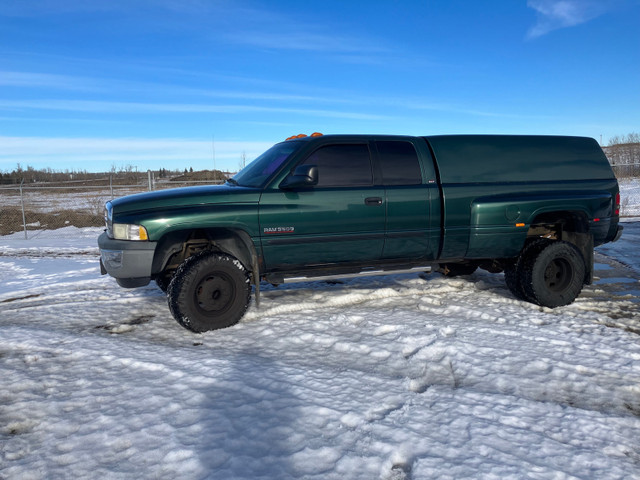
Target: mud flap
[{"x": 584, "y": 242}]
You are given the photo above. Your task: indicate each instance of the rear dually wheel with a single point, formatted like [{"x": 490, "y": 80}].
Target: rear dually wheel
[
  {"x": 554, "y": 276},
  {"x": 513, "y": 271}
]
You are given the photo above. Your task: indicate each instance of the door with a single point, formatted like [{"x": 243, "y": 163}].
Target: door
[
  {"x": 411, "y": 234},
  {"x": 339, "y": 220}
]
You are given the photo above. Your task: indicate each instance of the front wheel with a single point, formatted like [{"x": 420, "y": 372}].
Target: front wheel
[
  {"x": 555, "y": 276},
  {"x": 209, "y": 291}
]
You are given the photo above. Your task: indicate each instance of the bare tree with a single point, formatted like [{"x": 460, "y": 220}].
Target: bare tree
[{"x": 624, "y": 154}]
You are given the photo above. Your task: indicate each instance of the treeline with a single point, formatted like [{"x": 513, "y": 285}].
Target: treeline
[
  {"x": 124, "y": 175},
  {"x": 623, "y": 153},
  {"x": 200, "y": 175},
  {"x": 31, "y": 175},
  {"x": 624, "y": 150}
]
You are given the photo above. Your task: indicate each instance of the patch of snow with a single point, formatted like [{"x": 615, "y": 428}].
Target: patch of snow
[
  {"x": 630, "y": 196},
  {"x": 396, "y": 377}
]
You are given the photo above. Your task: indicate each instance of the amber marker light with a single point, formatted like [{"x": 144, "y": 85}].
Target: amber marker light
[{"x": 302, "y": 135}]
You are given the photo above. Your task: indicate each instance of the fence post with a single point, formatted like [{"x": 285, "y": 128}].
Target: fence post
[
  {"x": 149, "y": 179},
  {"x": 24, "y": 218},
  {"x": 111, "y": 185}
]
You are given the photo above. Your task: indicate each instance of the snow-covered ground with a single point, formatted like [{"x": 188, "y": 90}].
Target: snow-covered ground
[
  {"x": 630, "y": 196},
  {"x": 387, "y": 377}
]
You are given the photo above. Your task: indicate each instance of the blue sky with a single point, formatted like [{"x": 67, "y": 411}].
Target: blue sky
[{"x": 196, "y": 83}]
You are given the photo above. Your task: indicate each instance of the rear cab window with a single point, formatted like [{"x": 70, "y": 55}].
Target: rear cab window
[{"x": 398, "y": 163}]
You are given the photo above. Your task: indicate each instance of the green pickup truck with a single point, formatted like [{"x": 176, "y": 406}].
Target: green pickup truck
[{"x": 324, "y": 206}]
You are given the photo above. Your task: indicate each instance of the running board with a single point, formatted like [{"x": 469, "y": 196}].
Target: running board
[{"x": 365, "y": 273}]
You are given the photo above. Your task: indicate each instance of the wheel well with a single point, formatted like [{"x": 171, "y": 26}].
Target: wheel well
[
  {"x": 569, "y": 226},
  {"x": 556, "y": 225},
  {"x": 175, "y": 247}
]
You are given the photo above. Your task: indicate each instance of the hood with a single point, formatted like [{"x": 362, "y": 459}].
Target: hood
[{"x": 185, "y": 197}]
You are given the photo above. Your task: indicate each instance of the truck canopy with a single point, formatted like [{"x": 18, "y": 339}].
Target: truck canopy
[{"x": 518, "y": 158}]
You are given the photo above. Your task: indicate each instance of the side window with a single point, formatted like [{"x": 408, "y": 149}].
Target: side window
[
  {"x": 342, "y": 165},
  {"x": 399, "y": 163}
]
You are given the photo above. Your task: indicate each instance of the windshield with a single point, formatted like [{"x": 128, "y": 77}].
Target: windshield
[{"x": 258, "y": 172}]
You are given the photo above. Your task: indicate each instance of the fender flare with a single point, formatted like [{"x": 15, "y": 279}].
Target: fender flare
[{"x": 235, "y": 242}]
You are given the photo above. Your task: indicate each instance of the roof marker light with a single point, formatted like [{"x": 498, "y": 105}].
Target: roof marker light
[{"x": 302, "y": 135}]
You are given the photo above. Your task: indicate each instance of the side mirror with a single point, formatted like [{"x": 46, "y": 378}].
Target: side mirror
[{"x": 302, "y": 176}]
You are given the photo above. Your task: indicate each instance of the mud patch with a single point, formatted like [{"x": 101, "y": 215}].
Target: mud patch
[
  {"x": 15, "y": 299},
  {"x": 139, "y": 320},
  {"x": 634, "y": 409},
  {"x": 126, "y": 326}
]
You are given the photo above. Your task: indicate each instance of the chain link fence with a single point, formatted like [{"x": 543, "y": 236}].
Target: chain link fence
[
  {"x": 629, "y": 170},
  {"x": 27, "y": 209},
  {"x": 629, "y": 194}
]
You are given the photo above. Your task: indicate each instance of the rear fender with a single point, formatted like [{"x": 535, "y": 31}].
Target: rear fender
[{"x": 499, "y": 224}]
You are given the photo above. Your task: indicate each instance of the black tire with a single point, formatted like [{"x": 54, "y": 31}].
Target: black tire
[
  {"x": 163, "y": 280},
  {"x": 512, "y": 279},
  {"x": 555, "y": 276},
  {"x": 457, "y": 269},
  {"x": 513, "y": 271},
  {"x": 209, "y": 291}
]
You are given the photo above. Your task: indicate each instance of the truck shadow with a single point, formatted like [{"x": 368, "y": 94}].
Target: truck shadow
[{"x": 249, "y": 421}]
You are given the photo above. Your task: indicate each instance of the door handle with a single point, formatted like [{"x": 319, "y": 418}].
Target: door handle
[{"x": 373, "y": 201}]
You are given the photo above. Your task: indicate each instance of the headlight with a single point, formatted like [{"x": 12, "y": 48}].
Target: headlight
[
  {"x": 123, "y": 231},
  {"x": 108, "y": 217}
]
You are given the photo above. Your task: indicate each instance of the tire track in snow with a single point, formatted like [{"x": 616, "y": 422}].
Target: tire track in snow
[{"x": 342, "y": 300}]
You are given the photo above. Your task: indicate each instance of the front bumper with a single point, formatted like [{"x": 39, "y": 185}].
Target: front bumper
[{"x": 129, "y": 262}]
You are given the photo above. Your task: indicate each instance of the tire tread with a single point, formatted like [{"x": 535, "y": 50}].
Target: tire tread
[
  {"x": 179, "y": 293},
  {"x": 513, "y": 273}
]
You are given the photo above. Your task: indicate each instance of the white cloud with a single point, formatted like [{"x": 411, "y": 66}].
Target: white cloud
[
  {"x": 308, "y": 41},
  {"x": 36, "y": 8},
  {"x": 556, "y": 14},
  {"x": 147, "y": 108},
  {"x": 94, "y": 84},
  {"x": 48, "y": 80},
  {"x": 233, "y": 20}
]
